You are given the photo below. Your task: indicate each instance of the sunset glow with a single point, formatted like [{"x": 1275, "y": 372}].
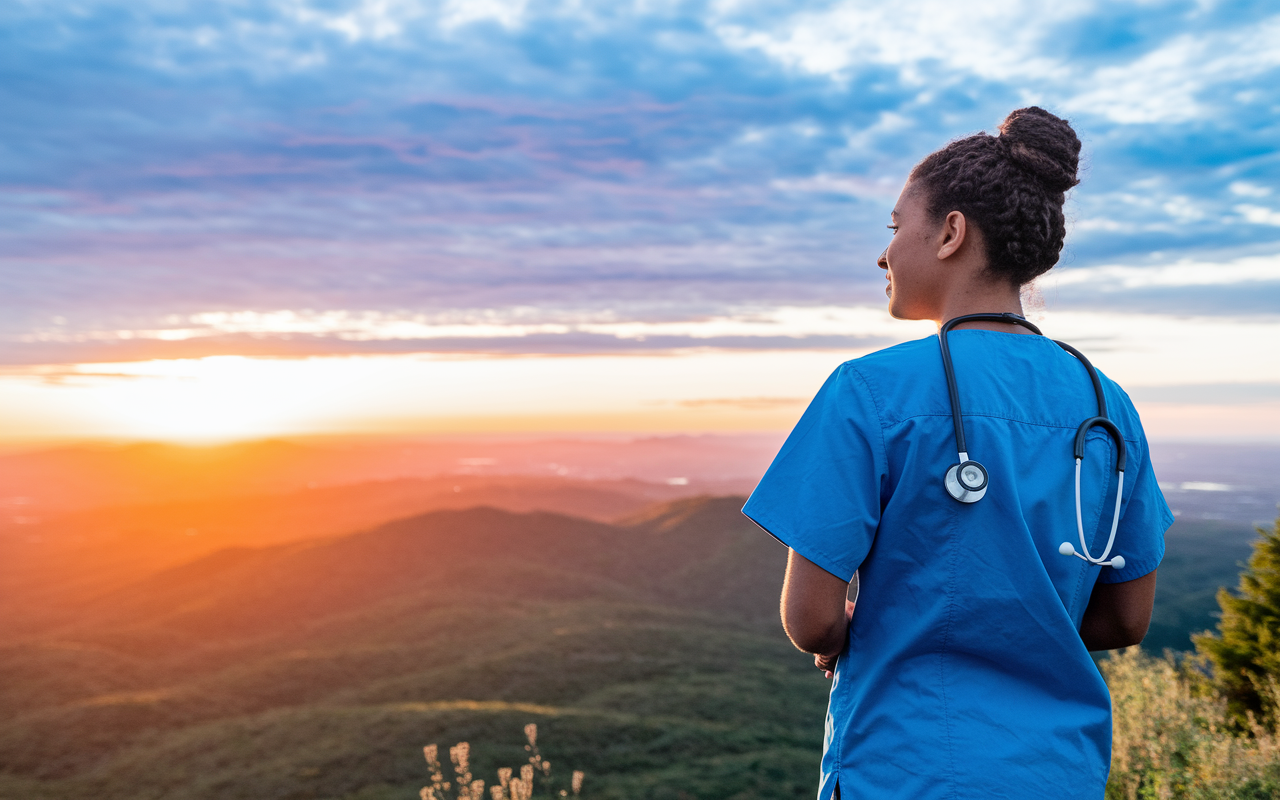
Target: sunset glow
[
  {"x": 368, "y": 216},
  {"x": 1182, "y": 372}
]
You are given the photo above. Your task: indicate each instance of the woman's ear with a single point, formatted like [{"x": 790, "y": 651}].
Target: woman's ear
[{"x": 952, "y": 234}]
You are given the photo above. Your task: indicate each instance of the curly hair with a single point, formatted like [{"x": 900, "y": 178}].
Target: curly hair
[{"x": 1012, "y": 186}]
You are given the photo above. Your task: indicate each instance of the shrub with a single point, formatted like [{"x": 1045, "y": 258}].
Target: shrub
[
  {"x": 1174, "y": 736},
  {"x": 1245, "y": 652}
]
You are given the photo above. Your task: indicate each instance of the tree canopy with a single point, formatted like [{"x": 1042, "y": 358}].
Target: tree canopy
[{"x": 1245, "y": 652}]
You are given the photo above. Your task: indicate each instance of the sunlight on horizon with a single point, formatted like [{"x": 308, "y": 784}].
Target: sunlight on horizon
[
  {"x": 1160, "y": 359},
  {"x": 226, "y": 398}
]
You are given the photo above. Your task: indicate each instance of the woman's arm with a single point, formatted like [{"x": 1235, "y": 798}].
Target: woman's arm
[
  {"x": 815, "y": 610},
  {"x": 1118, "y": 614}
]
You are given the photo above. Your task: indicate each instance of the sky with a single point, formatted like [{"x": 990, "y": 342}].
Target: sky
[{"x": 237, "y": 219}]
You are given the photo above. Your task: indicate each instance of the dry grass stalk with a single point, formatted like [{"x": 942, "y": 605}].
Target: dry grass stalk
[{"x": 508, "y": 786}]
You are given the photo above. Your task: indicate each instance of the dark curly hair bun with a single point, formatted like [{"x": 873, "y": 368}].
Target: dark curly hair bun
[
  {"x": 1044, "y": 145},
  {"x": 1011, "y": 187}
]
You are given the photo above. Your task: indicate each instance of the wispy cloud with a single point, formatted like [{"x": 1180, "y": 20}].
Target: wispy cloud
[{"x": 385, "y": 176}]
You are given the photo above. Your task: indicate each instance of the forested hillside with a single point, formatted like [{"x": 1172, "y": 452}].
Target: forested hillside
[{"x": 648, "y": 650}]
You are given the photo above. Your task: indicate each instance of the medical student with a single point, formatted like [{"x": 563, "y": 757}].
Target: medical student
[{"x": 965, "y": 671}]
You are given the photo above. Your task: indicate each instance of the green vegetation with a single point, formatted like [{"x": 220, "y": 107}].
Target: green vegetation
[
  {"x": 1187, "y": 732},
  {"x": 1174, "y": 737},
  {"x": 648, "y": 653},
  {"x": 1246, "y": 650}
]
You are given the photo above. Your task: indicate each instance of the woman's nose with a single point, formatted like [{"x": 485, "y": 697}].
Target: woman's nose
[{"x": 883, "y": 261}]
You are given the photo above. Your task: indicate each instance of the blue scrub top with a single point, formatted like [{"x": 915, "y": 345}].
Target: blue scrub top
[{"x": 964, "y": 675}]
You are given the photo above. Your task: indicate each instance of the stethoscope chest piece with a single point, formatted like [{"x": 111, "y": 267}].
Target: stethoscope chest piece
[{"x": 967, "y": 481}]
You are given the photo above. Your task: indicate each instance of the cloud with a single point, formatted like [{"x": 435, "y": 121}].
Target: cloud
[
  {"x": 1209, "y": 394},
  {"x": 1183, "y": 80},
  {"x": 990, "y": 40},
  {"x": 1259, "y": 269},
  {"x": 1177, "y": 79},
  {"x": 745, "y": 403},
  {"x": 1259, "y": 215},
  {"x": 529, "y": 331},
  {"x": 654, "y": 167},
  {"x": 1246, "y": 189}
]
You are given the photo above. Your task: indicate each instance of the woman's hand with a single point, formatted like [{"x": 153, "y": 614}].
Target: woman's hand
[{"x": 827, "y": 663}]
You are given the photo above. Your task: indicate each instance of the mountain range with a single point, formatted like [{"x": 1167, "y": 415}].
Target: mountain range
[{"x": 307, "y": 642}]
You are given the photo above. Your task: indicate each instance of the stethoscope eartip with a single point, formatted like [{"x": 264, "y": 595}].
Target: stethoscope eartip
[{"x": 1116, "y": 562}]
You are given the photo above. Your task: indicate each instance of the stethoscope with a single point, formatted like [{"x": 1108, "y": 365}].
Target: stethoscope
[{"x": 967, "y": 480}]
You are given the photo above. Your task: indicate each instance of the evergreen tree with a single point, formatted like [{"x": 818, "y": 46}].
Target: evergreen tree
[{"x": 1245, "y": 652}]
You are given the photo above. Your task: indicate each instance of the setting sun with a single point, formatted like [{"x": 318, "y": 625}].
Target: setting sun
[{"x": 233, "y": 397}]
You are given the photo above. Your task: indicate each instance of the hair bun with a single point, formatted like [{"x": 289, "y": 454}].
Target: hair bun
[{"x": 1042, "y": 144}]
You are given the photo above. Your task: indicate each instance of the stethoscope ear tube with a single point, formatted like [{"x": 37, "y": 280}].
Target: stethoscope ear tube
[
  {"x": 1066, "y": 549},
  {"x": 1082, "y": 434},
  {"x": 1110, "y": 427}
]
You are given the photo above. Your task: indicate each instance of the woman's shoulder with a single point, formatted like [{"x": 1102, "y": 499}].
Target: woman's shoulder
[{"x": 898, "y": 358}]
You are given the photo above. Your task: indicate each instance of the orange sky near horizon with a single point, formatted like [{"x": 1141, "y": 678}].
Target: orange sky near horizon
[{"x": 1183, "y": 375}]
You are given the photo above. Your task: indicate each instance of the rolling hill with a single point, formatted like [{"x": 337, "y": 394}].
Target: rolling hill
[
  {"x": 647, "y": 650},
  {"x": 53, "y": 567}
]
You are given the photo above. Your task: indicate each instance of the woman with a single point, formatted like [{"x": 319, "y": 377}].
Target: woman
[{"x": 965, "y": 672}]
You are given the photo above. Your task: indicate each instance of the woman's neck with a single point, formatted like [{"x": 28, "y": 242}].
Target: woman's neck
[{"x": 986, "y": 298}]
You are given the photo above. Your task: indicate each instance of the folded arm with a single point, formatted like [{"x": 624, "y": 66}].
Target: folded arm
[
  {"x": 1118, "y": 614},
  {"x": 815, "y": 610}
]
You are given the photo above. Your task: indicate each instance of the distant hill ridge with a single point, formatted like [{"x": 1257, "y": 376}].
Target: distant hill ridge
[
  {"x": 71, "y": 558},
  {"x": 692, "y": 550}
]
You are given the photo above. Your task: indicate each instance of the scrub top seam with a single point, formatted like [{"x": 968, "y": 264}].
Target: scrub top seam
[
  {"x": 942, "y": 655},
  {"x": 880, "y": 426},
  {"x": 1075, "y": 597},
  {"x": 967, "y": 414},
  {"x": 876, "y": 406}
]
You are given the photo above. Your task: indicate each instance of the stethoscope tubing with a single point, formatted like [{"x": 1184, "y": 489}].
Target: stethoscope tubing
[
  {"x": 1100, "y": 420},
  {"x": 957, "y": 416},
  {"x": 1083, "y": 552}
]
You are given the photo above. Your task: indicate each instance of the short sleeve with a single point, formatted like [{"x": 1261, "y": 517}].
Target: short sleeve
[
  {"x": 821, "y": 495},
  {"x": 1146, "y": 517}
]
